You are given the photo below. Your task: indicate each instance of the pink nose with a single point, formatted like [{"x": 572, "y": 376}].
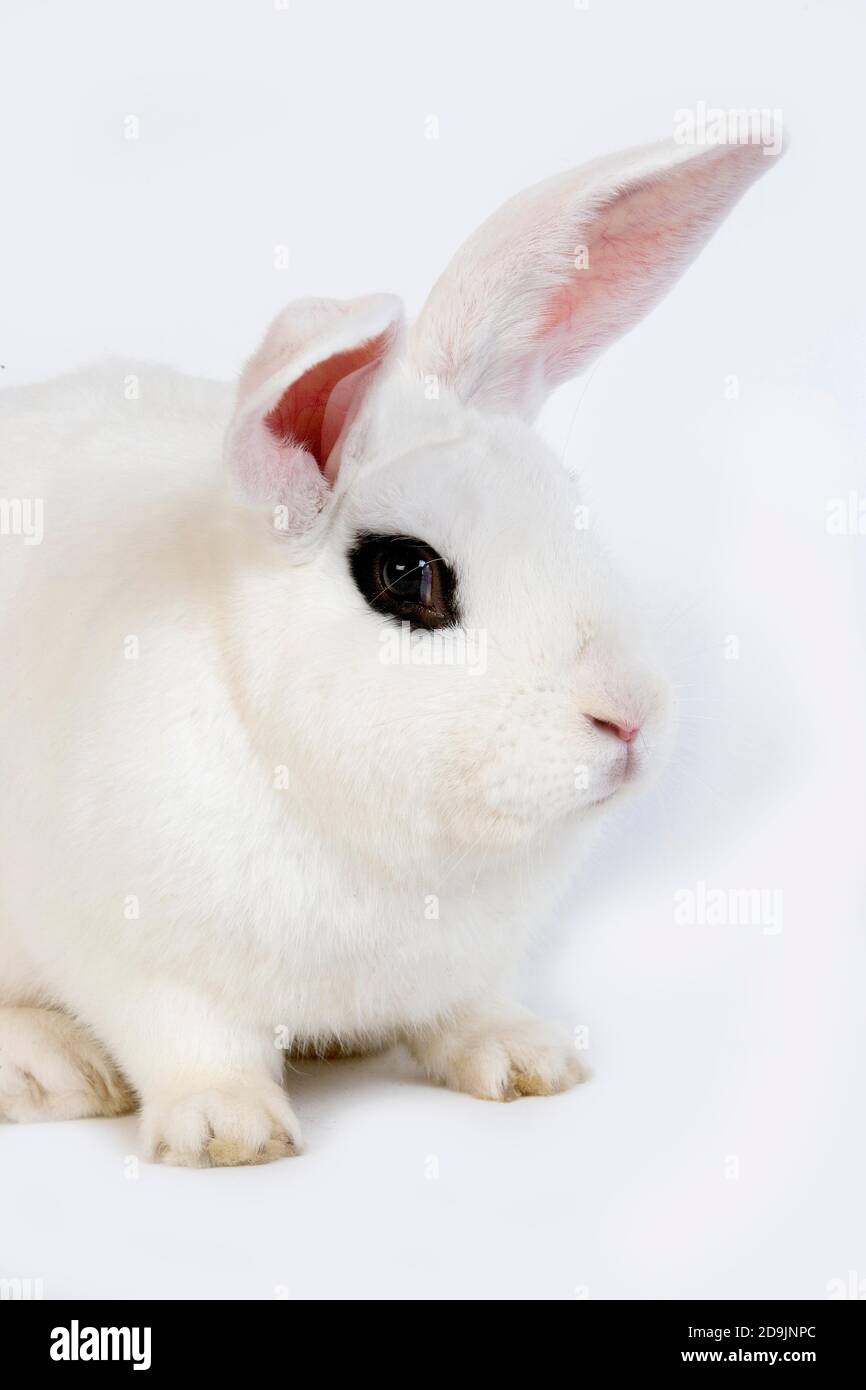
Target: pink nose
[{"x": 626, "y": 732}]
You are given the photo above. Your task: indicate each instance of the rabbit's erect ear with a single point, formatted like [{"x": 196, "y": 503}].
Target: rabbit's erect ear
[
  {"x": 568, "y": 265},
  {"x": 298, "y": 394}
]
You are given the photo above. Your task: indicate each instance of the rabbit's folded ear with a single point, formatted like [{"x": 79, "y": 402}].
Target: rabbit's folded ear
[
  {"x": 570, "y": 264},
  {"x": 297, "y": 396}
]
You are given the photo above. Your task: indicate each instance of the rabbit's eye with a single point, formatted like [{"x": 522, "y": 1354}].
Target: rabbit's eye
[{"x": 405, "y": 578}]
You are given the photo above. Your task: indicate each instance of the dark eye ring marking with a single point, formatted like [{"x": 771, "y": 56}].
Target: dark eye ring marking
[{"x": 406, "y": 579}]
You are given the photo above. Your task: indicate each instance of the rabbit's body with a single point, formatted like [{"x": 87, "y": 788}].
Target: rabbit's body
[
  {"x": 141, "y": 840},
  {"x": 237, "y": 816},
  {"x": 118, "y": 687}
]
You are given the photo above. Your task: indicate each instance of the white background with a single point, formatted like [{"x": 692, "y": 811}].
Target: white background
[{"x": 304, "y": 126}]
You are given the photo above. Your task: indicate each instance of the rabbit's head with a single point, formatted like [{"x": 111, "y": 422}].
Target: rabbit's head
[{"x": 436, "y": 652}]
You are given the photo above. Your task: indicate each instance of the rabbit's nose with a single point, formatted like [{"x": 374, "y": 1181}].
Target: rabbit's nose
[{"x": 626, "y": 732}]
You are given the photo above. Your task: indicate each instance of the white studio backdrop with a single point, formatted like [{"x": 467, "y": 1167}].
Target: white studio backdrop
[{"x": 172, "y": 174}]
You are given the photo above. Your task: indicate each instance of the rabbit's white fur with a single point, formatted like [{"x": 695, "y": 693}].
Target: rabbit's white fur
[{"x": 229, "y": 824}]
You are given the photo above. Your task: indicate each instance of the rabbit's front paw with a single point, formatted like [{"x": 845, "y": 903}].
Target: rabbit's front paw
[
  {"x": 222, "y": 1127},
  {"x": 498, "y": 1058}
]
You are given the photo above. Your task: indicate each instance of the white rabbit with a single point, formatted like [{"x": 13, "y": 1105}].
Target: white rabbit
[{"x": 301, "y": 756}]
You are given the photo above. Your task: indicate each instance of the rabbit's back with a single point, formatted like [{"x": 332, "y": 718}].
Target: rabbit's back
[
  {"x": 153, "y": 424},
  {"x": 109, "y": 479}
]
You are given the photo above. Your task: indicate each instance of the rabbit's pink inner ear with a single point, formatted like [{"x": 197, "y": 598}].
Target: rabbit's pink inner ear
[
  {"x": 312, "y": 412},
  {"x": 632, "y": 248},
  {"x": 564, "y": 268},
  {"x": 343, "y": 405},
  {"x": 299, "y": 393}
]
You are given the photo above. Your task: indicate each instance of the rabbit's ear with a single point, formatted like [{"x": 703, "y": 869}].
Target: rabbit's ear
[
  {"x": 298, "y": 393},
  {"x": 565, "y": 267}
]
